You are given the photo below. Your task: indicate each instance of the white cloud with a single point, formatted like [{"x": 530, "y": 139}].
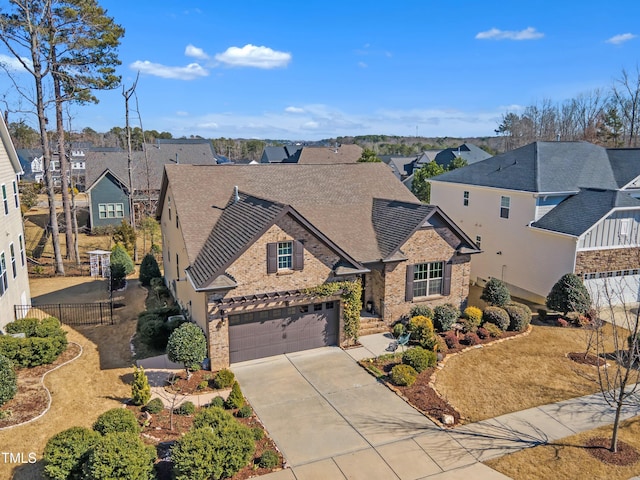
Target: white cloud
[
  {"x": 362, "y": 65},
  {"x": 182, "y": 113},
  {"x": 190, "y": 72},
  {"x": 528, "y": 33},
  {"x": 618, "y": 39},
  {"x": 253, "y": 56},
  {"x": 294, "y": 110},
  {"x": 310, "y": 125},
  {"x": 195, "y": 52},
  {"x": 12, "y": 63}
]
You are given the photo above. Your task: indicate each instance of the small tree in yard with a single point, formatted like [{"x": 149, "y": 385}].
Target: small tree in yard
[
  {"x": 149, "y": 269},
  {"x": 187, "y": 345},
  {"x": 569, "y": 295},
  {"x": 120, "y": 256},
  {"x": 496, "y": 293},
  {"x": 140, "y": 389}
]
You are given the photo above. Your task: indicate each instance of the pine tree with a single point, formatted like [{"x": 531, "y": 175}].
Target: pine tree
[{"x": 140, "y": 389}]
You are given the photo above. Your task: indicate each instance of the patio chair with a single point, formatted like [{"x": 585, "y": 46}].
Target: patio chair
[{"x": 402, "y": 341}]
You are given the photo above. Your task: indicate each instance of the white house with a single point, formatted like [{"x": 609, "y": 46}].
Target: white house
[
  {"x": 14, "y": 283},
  {"x": 549, "y": 208}
]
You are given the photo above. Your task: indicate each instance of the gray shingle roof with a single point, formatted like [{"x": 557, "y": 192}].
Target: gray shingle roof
[
  {"x": 394, "y": 222},
  {"x": 625, "y": 163},
  {"x": 578, "y": 213},
  {"x": 467, "y": 151},
  {"x": 543, "y": 167}
]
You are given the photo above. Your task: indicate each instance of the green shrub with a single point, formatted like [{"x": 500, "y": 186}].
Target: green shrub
[
  {"x": 419, "y": 358},
  {"x": 117, "y": 420},
  {"x": 118, "y": 275},
  {"x": 258, "y": 433},
  {"x": 495, "y": 293},
  {"x": 542, "y": 314},
  {"x": 45, "y": 341},
  {"x": 492, "y": 330},
  {"x": 66, "y": 452},
  {"x": 268, "y": 459},
  {"x": 149, "y": 269},
  {"x": 154, "y": 406},
  {"x": 224, "y": 378},
  {"x": 213, "y": 417},
  {"x": 119, "y": 256},
  {"x": 217, "y": 402},
  {"x": 497, "y": 316},
  {"x": 444, "y": 316},
  {"x": 519, "y": 316},
  {"x": 403, "y": 375},
  {"x": 203, "y": 453},
  {"x": 235, "y": 398},
  {"x": 187, "y": 345},
  {"x": 441, "y": 345},
  {"x": 140, "y": 389},
  {"x": 421, "y": 311},
  {"x": 245, "y": 411},
  {"x": 569, "y": 295},
  {"x": 421, "y": 329},
  {"x": 186, "y": 408},
  {"x": 120, "y": 455},
  {"x": 203, "y": 385},
  {"x": 8, "y": 380},
  {"x": 125, "y": 235},
  {"x": 473, "y": 315},
  {"x": 398, "y": 329},
  {"x": 154, "y": 329}
]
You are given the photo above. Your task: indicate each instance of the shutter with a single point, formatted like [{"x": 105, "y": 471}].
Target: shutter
[
  {"x": 408, "y": 288},
  {"x": 298, "y": 255},
  {"x": 272, "y": 257},
  {"x": 446, "y": 281}
]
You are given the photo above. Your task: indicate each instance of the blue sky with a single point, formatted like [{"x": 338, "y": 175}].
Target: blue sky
[{"x": 319, "y": 69}]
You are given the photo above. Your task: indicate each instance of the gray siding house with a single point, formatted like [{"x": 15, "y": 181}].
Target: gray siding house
[{"x": 108, "y": 201}]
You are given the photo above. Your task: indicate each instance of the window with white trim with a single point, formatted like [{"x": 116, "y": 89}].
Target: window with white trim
[
  {"x": 22, "y": 255},
  {"x": 16, "y": 197},
  {"x": 428, "y": 279},
  {"x": 479, "y": 241},
  {"x": 4, "y": 284},
  {"x": 505, "y": 205},
  {"x": 625, "y": 223},
  {"x": 111, "y": 210},
  {"x": 14, "y": 268},
  {"x": 285, "y": 255},
  {"x": 465, "y": 198},
  {"x": 5, "y": 201}
]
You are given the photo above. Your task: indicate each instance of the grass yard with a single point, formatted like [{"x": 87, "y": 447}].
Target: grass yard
[
  {"x": 84, "y": 389},
  {"x": 517, "y": 374},
  {"x": 567, "y": 459}
]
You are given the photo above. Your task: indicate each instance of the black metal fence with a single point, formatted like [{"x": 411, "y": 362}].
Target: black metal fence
[{"x": 73, "y": 314}]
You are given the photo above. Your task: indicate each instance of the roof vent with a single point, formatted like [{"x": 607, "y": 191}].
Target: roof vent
[{"x": 236, "y": 195}]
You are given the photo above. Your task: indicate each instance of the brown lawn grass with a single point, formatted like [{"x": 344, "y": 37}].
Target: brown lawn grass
[
  {"x": 567, "y": 458},
  {"x": 84, "y": 389},
  {"x": 517, "y": 374}
]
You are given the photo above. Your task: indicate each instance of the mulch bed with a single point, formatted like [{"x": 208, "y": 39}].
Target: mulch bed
[
  {"x": 180, "y": 384},
  {"x": 32, "y": 399},
  {"x": 158, "y": 433},
  {"x": 589, "y": 359},
  {"x": 599, "y": 448}
]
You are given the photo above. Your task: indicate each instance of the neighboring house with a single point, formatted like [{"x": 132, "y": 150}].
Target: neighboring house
[
  {"x": 108, "y": 201},
  {"x": 547, "y": 209},
  {"x": 241, "y": 243},
  {"x": 404, "y": 167},
  {"x": 467, "y": 152},
  {"x": 107, "y": 175},
  {"x": 14, "y": 282},
  {"x": 312, "y": 155}
]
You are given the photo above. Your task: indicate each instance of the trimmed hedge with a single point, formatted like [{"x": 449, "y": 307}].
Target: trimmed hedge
[
  {"x": 214, "y": 417},
  {"x": 8, "y": 380},
  {"x": 117, "y": 420},
  {"x": 495, "y": 293},
  {"x": 497, "y": 316},
  {"x": 45, "y": 341},
  {"x": 422, "y": 331},
  {"x": 419, "y": 358},
  {"x": 155, "y": 405},
  {"x": 473, "y": 315},
  {"x": 519, "y": 316},
  {"x": 120, "y": 455},
  {"x": 403, "y": 375},
  {"x": 66, "y": 452},
  {"x": 421, "y": 311},
  {"x": 444, "y": 316}
]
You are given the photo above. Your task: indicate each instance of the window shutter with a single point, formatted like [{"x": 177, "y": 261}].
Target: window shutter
[
  {"x": 298, "y": 255},
  {"x": 272, "y": 257},
  {"x": 408, "y": 288},
  {"x": 446, "y": 281}
]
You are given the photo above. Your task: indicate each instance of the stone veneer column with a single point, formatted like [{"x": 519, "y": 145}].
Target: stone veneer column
[{"x": 219, "y": 343}]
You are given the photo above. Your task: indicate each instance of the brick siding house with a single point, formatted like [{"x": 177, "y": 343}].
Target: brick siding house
[{"x": 241, "y": 243}]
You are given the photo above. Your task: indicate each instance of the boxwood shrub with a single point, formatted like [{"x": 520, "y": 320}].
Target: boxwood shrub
[
  {"x": 421, "y": 311},
  {"x": 497, "y": 316},
  {"x": 422, "y": 331},
  {"x": 8, "y": 380},
  {"x": 473, "y": 316},
  {"x": 154, "y": 406},
  {"x": 44, "y": 341},
  {"x": 419, "y": 358},
  {"x": 268, "y": 459},
  {"x": 519, "y": 316},
  {"x": 224, "y": 378},
  {"x": 403, "y": 375},
  {"x": 117, "y": 420},
  {"x": 66, "y": 452},
  {"x": 120, "y": 455}
]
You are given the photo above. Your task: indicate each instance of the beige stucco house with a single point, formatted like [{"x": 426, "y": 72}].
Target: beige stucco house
[
  {"x": 14, "y": 282},
  {"x": 241, "y": 243}
]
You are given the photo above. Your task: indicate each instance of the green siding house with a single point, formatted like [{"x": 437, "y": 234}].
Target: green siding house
[{"x": 108, "y": 201}]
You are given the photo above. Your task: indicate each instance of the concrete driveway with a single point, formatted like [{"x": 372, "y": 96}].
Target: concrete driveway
[{"x": 331, "y": 419}]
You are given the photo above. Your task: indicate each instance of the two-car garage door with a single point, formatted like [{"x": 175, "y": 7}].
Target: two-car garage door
[{"x": 282, "y": 330}]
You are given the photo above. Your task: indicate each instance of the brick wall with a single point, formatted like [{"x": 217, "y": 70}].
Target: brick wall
[
  {"x": 592, "y": 261},
  {"x": 427, "y": 245}
]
